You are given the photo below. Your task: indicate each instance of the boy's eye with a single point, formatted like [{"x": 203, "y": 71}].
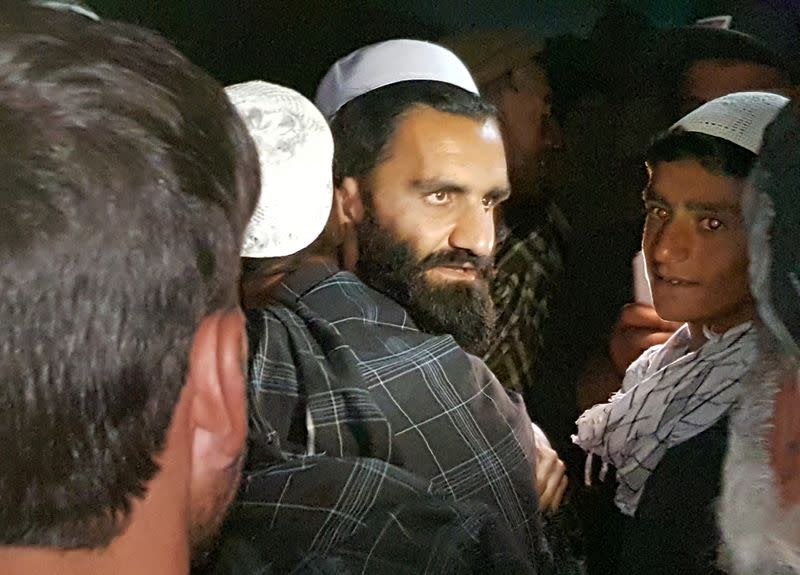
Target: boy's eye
[
  {"x": 711, "y": 224},
  {"x": 657, "y": 212}
]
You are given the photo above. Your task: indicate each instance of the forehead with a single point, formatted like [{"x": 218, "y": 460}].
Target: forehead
[
  {"x": 687, "y": 181},
  {"x": 429, "y": 144},
  {"x": 712, "y": 78},
  {"x": 534, "y": 73}
]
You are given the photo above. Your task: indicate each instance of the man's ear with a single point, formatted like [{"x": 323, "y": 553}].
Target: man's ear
[
  {"x": 348, "y": 212},
  {"x": 348, "y": 206},
  {"x": 217, "y": 366}
]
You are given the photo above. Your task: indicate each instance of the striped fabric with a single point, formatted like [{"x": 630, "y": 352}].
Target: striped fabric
[{"x": 338, "y": 369}]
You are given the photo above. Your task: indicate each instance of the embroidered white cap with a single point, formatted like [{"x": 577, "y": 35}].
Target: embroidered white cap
[
  {"x": 740, "y": 118},
  {"x": 69, "y": 6},
  {"x": 387, "y": 63},
  {"x": 295, "y": 152}
]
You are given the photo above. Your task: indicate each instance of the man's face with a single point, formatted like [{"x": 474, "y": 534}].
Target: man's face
[
  {"x": 529, "y": 129},
  {"x": 428, "y": 233},
  {"x": 706, "y": 80},
  {"x": 695, "y": 246}
]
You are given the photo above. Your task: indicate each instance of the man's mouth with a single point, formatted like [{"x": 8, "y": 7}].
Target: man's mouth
[{"x": 457, "y": 272}]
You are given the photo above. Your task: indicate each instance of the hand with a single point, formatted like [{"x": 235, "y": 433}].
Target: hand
[
  {"x": 551, "y": 478},
  {"x": 637, "y": 329}
]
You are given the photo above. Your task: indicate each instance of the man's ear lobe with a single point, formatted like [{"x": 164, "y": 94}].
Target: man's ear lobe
[
  {"x": 348, "y": 206},
  {"x": 217, "y": 373},
  {"x": 348, "y": 209}
]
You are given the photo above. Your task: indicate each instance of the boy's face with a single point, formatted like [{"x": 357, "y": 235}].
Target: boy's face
[{"x": 695, "y": 246}]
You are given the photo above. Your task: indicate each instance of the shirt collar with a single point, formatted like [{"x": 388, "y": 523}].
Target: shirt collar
[{"x": 303, "y": 279}]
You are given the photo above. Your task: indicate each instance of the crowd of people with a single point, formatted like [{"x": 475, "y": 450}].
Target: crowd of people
[{"x": 248, "y": 333}]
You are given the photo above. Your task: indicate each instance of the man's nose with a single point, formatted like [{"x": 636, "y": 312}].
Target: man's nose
[{"x": 474, "y": 231}]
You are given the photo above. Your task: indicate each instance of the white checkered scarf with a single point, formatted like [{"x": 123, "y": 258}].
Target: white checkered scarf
[{"x": 671, "y": 395}]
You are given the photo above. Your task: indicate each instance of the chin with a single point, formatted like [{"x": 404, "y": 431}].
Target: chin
[{"x": 209, "y": 509}]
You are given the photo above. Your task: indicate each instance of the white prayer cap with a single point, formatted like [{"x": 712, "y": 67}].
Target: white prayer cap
[
  {"x": 740, "y": 118},
  {"x": 295, "y": 152},
  {"x": 387, "y": 63}
]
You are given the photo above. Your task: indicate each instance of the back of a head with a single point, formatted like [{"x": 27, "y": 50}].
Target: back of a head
[
  {"x": 295, "y": 151},
  {"x": 773, "y": 219},
  {"x": 365, "y": 93},
  {"x": 127, "y": 181},
  {"x": 494, "y": 52}
]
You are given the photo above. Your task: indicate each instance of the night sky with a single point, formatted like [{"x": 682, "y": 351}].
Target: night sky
[{"x": 294, "y": 41}]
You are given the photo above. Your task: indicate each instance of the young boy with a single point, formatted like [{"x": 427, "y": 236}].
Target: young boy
[{"x": 665, "y": 433}]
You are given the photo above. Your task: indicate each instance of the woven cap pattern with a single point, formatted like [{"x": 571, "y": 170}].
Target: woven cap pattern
[
  {"x": 295, "y": 152},
  {"x": 740, "y": 118},
  {"x": 388, "y": 63}
]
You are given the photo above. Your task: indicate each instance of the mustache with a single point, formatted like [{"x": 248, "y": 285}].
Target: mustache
[{"x": 484, "y": 265}]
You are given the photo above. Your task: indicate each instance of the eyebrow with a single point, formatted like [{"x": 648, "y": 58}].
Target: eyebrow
[
  {"x": 436, "y": 185},
  {"x": 651, "y": 195}
]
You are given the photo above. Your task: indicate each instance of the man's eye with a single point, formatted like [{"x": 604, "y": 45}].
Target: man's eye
[
  {"x": 489, "y": 201},
  {"x": 711, "y": 224},
  {"x": 437, "y": 198}
]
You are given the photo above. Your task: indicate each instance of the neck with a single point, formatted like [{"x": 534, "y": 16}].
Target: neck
[
  {"x": 154, "y": 542},
  {"x": 698, "y": 338},
  {"x": 257, "y": 292}
]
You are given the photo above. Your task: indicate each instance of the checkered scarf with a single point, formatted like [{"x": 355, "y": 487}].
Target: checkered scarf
[{"x": 670, "y": 395}]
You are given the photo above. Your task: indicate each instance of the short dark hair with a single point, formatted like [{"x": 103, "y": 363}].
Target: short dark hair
[
  {"x": 126, "y": 181},
  {"x": 363, "y": 127},
  {"x": 716, "y": 155}
]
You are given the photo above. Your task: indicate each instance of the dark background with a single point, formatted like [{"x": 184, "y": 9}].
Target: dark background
[{"x": 294, "y": 41}]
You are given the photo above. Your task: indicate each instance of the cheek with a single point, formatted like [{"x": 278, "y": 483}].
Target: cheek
[
  {"x": 732, "y": 272},
  {"x": 425, "y": 230}
]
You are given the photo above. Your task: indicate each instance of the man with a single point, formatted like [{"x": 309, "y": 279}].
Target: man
[
  {"x": 311, "y": 511},
  {"x": 759, "y": 508},
  {"x": 127, "y": 180},
  {"x": 346, "y": 370},
  {"x": 529, "y": 261},
  {"x": 719, "y": 55}
]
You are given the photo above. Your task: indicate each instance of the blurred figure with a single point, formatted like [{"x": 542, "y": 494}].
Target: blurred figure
[
  {"x": 529, "y": 259},
  {"x": 713, "y": 57},
  {"x": 127, "y": 180},
  {"x": 665, "y": 434},
  {"x": 760, "y": 505}
]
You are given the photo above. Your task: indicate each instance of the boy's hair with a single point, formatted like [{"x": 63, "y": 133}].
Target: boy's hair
[
  {"x": 717, "y": 155},
  {"x": 126, "y": 181}
]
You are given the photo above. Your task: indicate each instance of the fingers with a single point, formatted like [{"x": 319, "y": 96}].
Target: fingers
[
  {"x": 550, "y": 498},
  {"x": 648, "y": 340},
  {"x": 550, "y": 474},
  {"x": 645, "y": 316},
  {"x": 559, "y": 496},
  {"x": 545, "y": 463},
  {"x": 637, "y": 329}
]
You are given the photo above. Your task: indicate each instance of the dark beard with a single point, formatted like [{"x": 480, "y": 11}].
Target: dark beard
[{"x": 462, "y": 309}]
